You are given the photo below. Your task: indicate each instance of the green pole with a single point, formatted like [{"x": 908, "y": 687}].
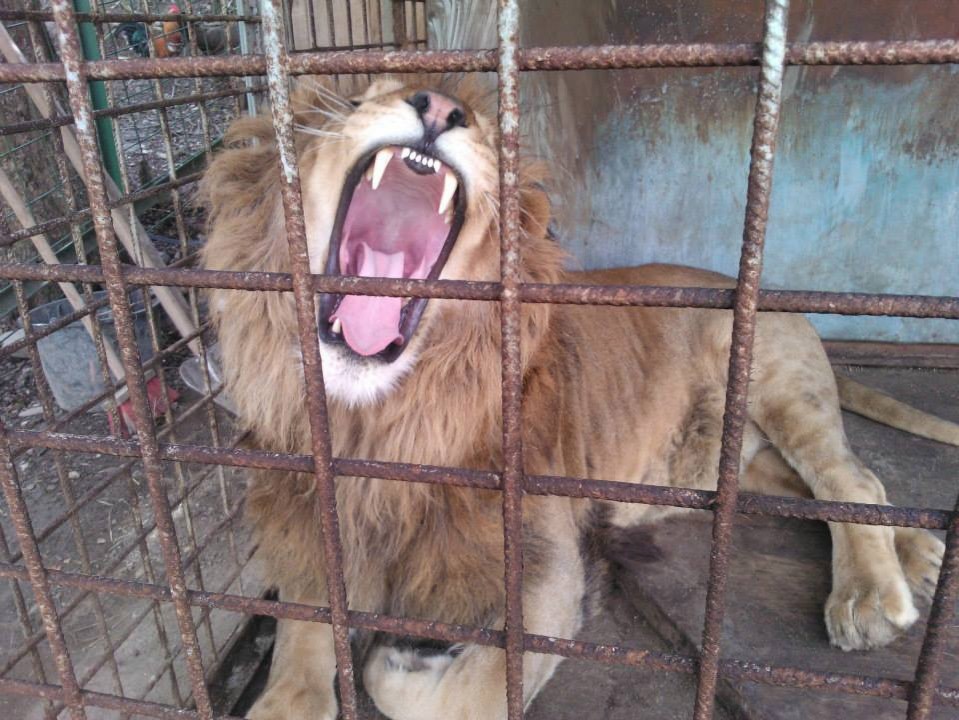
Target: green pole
[{"x": 98, "y": 93}]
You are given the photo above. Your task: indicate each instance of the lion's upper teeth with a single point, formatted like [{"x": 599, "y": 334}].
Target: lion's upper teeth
[
  {"x": 449, "y": 189},
  {"x": 405, "y": 153},
  {"x": 383, "y": 158},
  {"x": 337, "y": 326}
]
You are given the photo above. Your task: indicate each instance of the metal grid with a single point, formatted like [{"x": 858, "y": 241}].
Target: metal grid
[
  {"x": 508, "y": 60},
  {"x": 142, "y": 124}
]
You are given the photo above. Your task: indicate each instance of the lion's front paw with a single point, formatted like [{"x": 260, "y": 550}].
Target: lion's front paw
[
  {"x": 282, "y": 702},
  {"x": 861, "y": 615},
  {"x": 920, "y": 554}
]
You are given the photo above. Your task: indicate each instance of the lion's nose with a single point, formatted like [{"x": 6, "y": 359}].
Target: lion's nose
[{"x": 438, "y": 112}]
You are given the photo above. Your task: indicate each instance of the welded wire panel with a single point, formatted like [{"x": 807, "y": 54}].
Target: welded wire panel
[{"x": 176, "y": 595}]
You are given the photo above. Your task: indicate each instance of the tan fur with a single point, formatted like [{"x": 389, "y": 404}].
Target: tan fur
[
  {"x": 878, "y": 406},
  {"x": 628, "y": 394}
]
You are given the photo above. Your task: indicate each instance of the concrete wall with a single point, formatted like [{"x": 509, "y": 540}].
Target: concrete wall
[{"x": 651, "y": 164}]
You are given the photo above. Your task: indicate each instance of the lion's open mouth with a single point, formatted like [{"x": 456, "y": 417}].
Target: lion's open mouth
[{"x": 400, "y": 212}]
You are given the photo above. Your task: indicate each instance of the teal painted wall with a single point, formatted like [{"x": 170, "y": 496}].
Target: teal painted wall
[
  {"x": 650, "y": 165},
  {"x": 865, "y": 192}
]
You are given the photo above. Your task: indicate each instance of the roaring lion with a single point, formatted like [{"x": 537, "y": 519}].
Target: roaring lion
[{"x": 400, "y": 181}]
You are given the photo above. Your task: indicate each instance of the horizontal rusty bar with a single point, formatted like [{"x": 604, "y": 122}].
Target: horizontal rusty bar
[
  {"x": 61, "y": 120},
  {"x": 617, "y": 491},
  {"x": 113, "y": 17},
  {"x": 86, "y": 213},
  {"x": 118, "y": 385},
  {"x": 791, "y": 301},
  {"x": 55, "y": 325},
  {"x": 90, "y": 698},
  {"x": 154, "y": 190},
  {"x": 346, "y": 62},
  {"x": 732, "y": 669},
  {"x": 44, "y": 227}
]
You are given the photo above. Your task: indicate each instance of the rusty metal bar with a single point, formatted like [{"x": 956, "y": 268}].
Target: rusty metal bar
[
  {"x": 67, "y": 490},
  {"x": 61, "y": 120},
  {"x": 278, "y": 62},
  {"x": 26, "y": 624},
  {"x": 123, "y": 201},
  {"x": 346, "y": 62},
  {"x": 108, "y": 702},
  {"x": 55, "y": 325},
  {"x": 94, "y": 492},
  {"x": 100, "y": 18},
  {"x": 791, "y": 301},
  {"x": 510, "y": 331},
  {"x": 941, "y": 615},
  {"x": 766, "y": 126},
  {"x": 617, "y": 491},
  {"x": 66, "y": 30},
  {"x": 39, "y": 580},
  {"x": 112, "y": 387}
]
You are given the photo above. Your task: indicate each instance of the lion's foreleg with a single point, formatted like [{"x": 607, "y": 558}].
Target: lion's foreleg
[
  {"x": 302, "y": 672},
  {"x": 471, "y": 685},
  {"x": 876, "y": 569}
]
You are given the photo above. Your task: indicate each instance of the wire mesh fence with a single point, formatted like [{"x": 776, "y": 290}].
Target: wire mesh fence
[{"x": 155, "y": 580}]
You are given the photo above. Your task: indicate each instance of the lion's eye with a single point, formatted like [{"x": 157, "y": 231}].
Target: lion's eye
[{"x": 356, "y": 103}]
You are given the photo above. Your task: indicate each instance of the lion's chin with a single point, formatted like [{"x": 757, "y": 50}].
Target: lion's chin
[{"x": 357, "y": 381}]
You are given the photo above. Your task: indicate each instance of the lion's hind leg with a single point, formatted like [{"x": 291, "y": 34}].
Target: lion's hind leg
[{"x": 795, "y": 403}]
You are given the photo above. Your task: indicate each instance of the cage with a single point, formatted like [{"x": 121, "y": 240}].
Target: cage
[{"x": 128, "y": 570}]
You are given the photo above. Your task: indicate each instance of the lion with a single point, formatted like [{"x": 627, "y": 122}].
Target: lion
[{"x": 400, "y": 180}]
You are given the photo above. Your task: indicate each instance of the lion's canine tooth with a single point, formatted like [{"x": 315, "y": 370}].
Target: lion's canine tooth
[
  {"x": 405, "y": 153},
  {"x": 383, "y": 158},
  {"x": 449, "y": 189},
  {"x": 337, "y": 326}
]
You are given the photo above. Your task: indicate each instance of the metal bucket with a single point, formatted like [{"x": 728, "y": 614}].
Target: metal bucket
[{"x": 69, "y": 357}]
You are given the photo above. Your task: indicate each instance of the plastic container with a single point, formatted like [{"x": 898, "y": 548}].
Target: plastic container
[{"x": 69, "y": 357}]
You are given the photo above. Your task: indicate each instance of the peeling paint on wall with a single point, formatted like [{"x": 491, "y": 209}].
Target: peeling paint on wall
[{"x": 651, "y": 165}]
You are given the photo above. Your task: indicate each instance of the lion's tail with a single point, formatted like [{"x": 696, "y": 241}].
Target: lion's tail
[{"x": 878, "y": 406}]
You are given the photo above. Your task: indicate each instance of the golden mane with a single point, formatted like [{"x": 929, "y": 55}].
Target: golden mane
[{"x": 445, "y": 412}]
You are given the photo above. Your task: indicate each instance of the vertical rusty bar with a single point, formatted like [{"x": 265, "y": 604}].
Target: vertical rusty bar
[
  {"x": 278, "y": 81},
  {"x": 138, "y": 239},
  {"x": 929, "y": 667},
  {"x": 765, "y": 127},
  {"x": 512, "y": 371},
  {"x": 26, "y": 627},
  {"x": 60, "y": 157},
  {"x": 38, "y": 579},
  {"x": 66, "y": 485},
  {"x": 120, "y": 304}
]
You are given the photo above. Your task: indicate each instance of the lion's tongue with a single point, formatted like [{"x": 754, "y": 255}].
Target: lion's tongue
[
  {"x": 394, "y": 231},
  {"x": 371, "y": 323}
]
